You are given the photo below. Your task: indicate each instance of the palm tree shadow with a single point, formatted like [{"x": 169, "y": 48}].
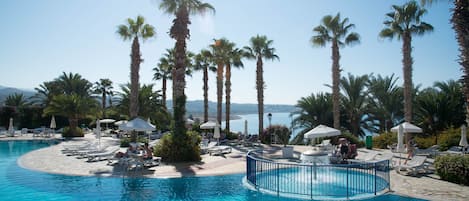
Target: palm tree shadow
[{"x": 187, "y": 169}]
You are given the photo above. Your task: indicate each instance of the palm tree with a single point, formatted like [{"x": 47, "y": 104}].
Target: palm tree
[
  {"x": 103, "y": 88},
  {"x": 135, "y": 30},
  {"x": 355, "y": 102},
  {"x": 385, "y": 99},
  {"x": 234, "y": 58},
  {"x": 45, "y": 92},
  {"x": 16, "y": 100},
  {"x": 405, "y": 21},
  {"x": 333, "y": 30},
  {"x": 260, "y": 48},
  {"x": 220, "y": 56},
  {"x": 163, "y": 71},
  {"x": 73, "y": 83},
  {"x": 202, "y": 61},
  {"x": 180, "y": 32},
  {"x": 74, "y": 107},
  {"x": 313, "y": 110}
]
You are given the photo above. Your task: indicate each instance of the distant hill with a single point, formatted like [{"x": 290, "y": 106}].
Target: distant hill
[
  {"x": 196, "y": 107},
  {"x": 6, "y": 91}
]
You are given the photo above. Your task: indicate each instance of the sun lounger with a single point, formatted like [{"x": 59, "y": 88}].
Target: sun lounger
[
  {"x": 205, "y": 147},
  {"x": 108, "y": 153},
  {"x": 429, "y": 152},
  {"x": 218, "y": 150},
  {"x": 413, "y": 166}
]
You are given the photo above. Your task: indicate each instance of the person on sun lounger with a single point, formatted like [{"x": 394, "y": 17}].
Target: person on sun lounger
[{"x": 147, "y": 152}]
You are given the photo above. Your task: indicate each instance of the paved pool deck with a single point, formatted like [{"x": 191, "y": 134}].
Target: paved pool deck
[{"x": 52, "y": 160}]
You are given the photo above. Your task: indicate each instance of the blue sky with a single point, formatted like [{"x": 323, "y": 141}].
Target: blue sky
[{"x": 41, "y": 39}]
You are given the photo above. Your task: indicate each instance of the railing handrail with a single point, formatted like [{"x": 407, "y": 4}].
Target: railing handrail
[{"x": 264, "y": 175}]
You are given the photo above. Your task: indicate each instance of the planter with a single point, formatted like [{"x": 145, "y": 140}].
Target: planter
[{"x": 287, "y": 152}]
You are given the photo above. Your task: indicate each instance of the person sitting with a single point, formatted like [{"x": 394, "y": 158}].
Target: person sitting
[
  {"x": 147, "y": 152},
  {"x": 352, "y": 152},
  {"x": 410, "y": 146},
  {"x": 343, "y": 149}
]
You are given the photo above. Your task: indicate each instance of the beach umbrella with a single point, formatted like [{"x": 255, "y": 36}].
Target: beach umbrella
[
  {"x": 117, "y": 123},
  {"x": 216, "y": 132},
  {"x": 208, "y": 125},
  {"x": 408, "y": 128},
  {"x": 463, "y": 141},
  {"x": 107, "y": 121},
  {"x": 52, "y": 123},
  {"x": 137, "y": 124},
  {"x": 400, "y": 139},
  {"x": 11, "y": 129},
  {"x": 321, "y": 131},
  {"x": 98, "y": 132}
]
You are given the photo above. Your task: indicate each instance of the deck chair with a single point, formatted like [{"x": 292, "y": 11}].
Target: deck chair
[
  {"x": 204, "y": 148},
  {"x": 413, "y": 166},
  {"x": 108, "y": 153}
]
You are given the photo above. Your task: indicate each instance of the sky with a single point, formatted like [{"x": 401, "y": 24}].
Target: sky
[{"x": 41, "y": 39}]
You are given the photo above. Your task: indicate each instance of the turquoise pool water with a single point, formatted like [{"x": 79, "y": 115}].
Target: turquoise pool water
[{"x": 20, "y": 184}]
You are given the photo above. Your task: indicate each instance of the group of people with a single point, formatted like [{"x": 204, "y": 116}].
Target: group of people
[
  {"x": 346, "y": 150},
  {"x": 147, "y": 152}
]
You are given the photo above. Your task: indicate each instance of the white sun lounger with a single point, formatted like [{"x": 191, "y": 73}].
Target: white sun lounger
[
  {"x": 108, "y": 153},
  {"x": 413, "y": 166},
  {"x": 218, "y": 150}
]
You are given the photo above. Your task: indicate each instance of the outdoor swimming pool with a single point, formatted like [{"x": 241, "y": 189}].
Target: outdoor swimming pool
[{"x": 20, "y": 184}]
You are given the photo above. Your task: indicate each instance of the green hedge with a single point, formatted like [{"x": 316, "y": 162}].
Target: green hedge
[
  {"x": 179, "y": 150},
  {"x": 383, "y": 140},
  {"x": 453, "y": 168}
]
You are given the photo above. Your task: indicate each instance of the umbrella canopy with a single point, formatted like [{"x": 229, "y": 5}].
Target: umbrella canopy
[
  {"x": 400, "y": 139},
  {"x": 189, "y": 121},
  {"x": 11, "y": 129},
  {"x": 408, "y": 128},
  {"x": 208, "y": 125},
  {"x": 463, "y": 141},
  {"x": 105, "y": 121},
  {"x": 321, "y": 131},
  {"x": 137, "y": 124},
  {"x": 117, "y": 123},
  {"x": 52, "y": 123}
]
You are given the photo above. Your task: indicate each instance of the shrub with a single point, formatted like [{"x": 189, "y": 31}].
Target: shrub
[
  {"x": 283, "y": 134},
  {"x": 125, "y": 142},
  {"x": 69, "y": 132},
  {"x": 266, "y": 135},
  {"x": 179, "y": 150},
  {"x": 449, "y": 138},
  {"x": 384, "y": 139},
  {"x": 232, "y": 136},
  {"x": 453, "y": 168},
  {"x": 424, "y": 142}
]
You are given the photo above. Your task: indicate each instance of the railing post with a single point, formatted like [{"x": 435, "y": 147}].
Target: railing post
[
  {"x": 311, "y": 180},
  {"x": 375, "y": 177},
  {"x": 278, "y": 180},
  {"x": 347, "y": 182}
]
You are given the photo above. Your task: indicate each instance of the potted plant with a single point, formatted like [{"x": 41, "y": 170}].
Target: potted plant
[{"x": 283, "y": 135}]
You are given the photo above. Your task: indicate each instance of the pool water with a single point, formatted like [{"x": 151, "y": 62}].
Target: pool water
[{"x": 20, "y": 184}]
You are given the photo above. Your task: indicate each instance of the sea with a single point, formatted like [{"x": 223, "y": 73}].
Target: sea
[{"x": 252, "y": 120}]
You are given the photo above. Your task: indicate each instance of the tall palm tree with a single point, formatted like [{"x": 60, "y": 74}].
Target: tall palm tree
[
  {"x": 260, "y": 48},
  {"x": 334, "y": 30},
  {"x": 73, "y": 83},
  {"x": 45, "y": 92},
  {"x": 179, "y": 31},
  {"x": 17, "y": 100},
  {"x": 235, "y": 55},
  {"x": 163, "y": 71},
  {"x": 135, "y": 30},
  {"x": 202, "y": 62},
  {"x": 220, "y": 56},
  {"x": 103, "y": 88},
  {"x": 403, "y": 22}
]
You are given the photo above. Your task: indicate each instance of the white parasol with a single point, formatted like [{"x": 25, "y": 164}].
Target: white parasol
[
  {"x": 137, "y": 124},
  {"x": 208, "y": 125},
  {"x": 408, "y": 128},
  {"x": 11, "y": 129},
  {"x": 463, "y": 141},
  {"x": 98, "y": 132},
  {"x": 321, "y": 131},
  {"x": 52, "y": 123},
  {"x": 400, "y": 140},
  {"x": 216, "y": 132}
]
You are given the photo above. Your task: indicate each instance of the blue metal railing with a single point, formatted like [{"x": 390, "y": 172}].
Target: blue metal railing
[{"x": 317, "y": 181}]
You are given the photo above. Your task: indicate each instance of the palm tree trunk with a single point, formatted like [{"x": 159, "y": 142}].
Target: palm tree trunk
[
  {"x": 205, "y": 78},
  {"x": 228, "y": 97},
  {"x": 335, "y": 84},
  {"x": 407, "y": 63},
  {"x": 407, "y": 70},
  {"x": 180, "y": 32},
  {"x": 460, "y": 20},
  {"x": 260, "y": 93},
  {"x": 103, "y": 102},
  {"x": 219, "y": 91},
  {"x": 164, "y": 91},
  {"x": 134, "y": 77}
]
